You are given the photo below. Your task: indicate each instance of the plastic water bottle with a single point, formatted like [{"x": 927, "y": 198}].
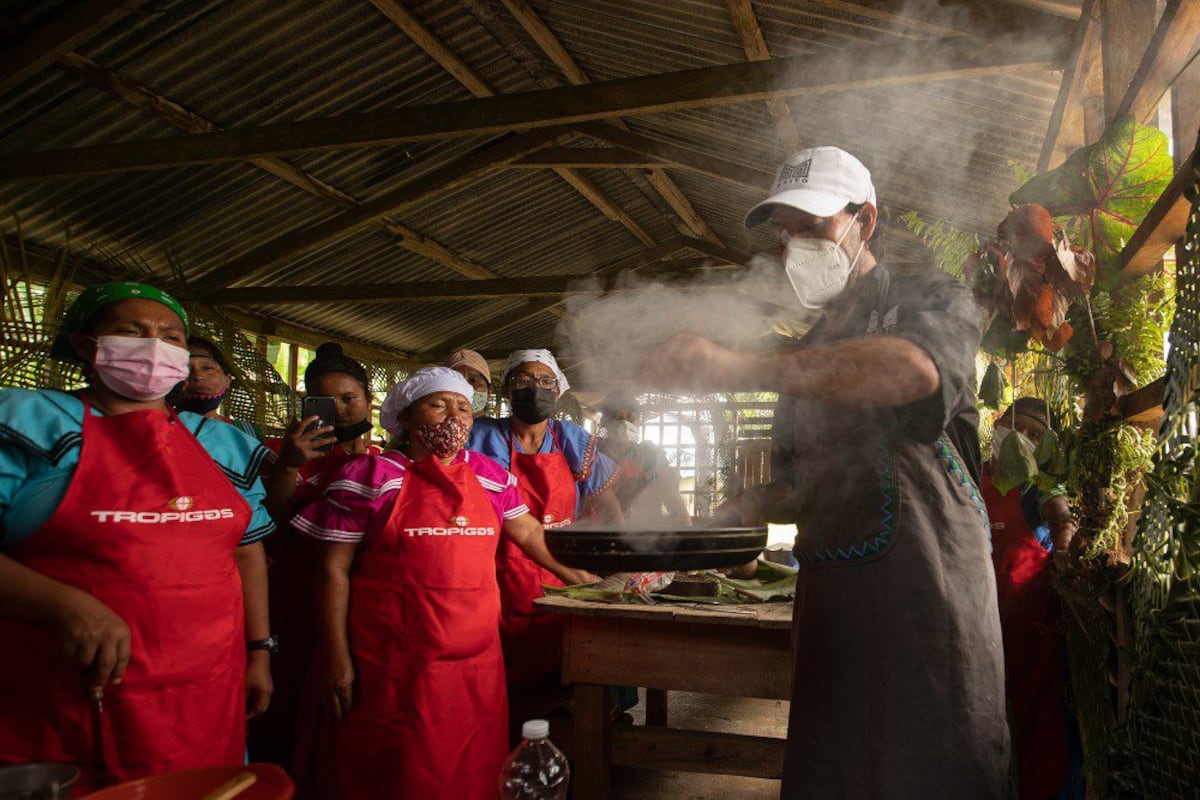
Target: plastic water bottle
[{"x": 536, "y": 770}]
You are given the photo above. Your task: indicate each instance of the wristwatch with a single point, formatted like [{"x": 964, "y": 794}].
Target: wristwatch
[{"x": 270, "y": 644}]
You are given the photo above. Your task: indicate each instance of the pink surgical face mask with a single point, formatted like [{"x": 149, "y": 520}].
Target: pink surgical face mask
[{"x": 139, "y": 367}]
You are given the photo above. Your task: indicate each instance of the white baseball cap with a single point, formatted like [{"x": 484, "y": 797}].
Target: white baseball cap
[{"x": 820, "y": 180}]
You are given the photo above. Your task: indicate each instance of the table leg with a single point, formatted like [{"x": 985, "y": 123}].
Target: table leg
[
  {"x": 593, "y": 748},
  {"x": 656, "y": 707}
]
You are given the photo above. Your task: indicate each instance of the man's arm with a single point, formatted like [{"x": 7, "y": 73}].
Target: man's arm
[{"x": 875, "y": 372}]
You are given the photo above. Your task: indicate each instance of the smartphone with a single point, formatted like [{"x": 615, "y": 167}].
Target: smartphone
[{"x": 326, "y": 409}]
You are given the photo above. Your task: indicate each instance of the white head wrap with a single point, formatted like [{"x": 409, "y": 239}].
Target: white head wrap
[
  {"x": 518, "y": 357},
  {"x": 424, "y": 381}
]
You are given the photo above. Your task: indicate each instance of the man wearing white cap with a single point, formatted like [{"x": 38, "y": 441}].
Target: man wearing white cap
[
  {"x": 562, "y": 475},
  {"x": 898, "y": 689}
]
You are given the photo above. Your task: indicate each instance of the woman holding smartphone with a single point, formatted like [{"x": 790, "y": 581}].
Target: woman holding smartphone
[{"x": 305, "y": 460}]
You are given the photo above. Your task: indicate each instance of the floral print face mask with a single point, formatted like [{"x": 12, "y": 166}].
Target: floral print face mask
[{"x": 443, "y": 439}]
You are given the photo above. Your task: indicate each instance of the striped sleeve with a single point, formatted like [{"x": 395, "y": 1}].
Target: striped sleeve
[
  {"x": 241, "y": 458},
  {"x": 356, "y": 495},
  {"x": 501, "y": 485}
]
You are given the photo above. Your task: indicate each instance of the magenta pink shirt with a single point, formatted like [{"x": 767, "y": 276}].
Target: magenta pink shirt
[{"x": 358, "y": 502}]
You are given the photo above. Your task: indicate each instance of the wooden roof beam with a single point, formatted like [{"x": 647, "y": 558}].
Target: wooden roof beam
[
  {"x": 895, "y": 64},
  {"x": 1081, "y": 79},
  {"x": 690, "y": 275},
  {"x": 746, "y": 25},
  {"x": 587, "y": 158},
  {"x": 494, "y": 156},
  {"x": 446, "y": 58},
  {"x": 1171, "y": 49},
  {"x": 70, "y": 27},
  {"x": 174, "y": 114},
  {"x": 506, "y": 320},
  {"x": 662, "y": 183}
]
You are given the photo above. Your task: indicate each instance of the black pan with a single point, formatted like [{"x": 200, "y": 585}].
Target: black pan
[{"x": 608, "y": 550}]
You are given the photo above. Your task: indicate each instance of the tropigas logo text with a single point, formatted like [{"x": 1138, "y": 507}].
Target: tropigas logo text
[
  {"x": 452, "y": 531},
  {"x": 159, "y": 517}
]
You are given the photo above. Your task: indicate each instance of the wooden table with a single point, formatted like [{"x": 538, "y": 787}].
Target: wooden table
[{"x": 739, "y": 651}]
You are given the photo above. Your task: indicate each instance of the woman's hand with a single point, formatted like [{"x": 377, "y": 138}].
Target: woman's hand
[
  {"x": 339, "y": 675},
  {"x": 578, "y": 576},
  {"x": 300, "y": 445},
  {"x": 259, "y": 684},
  {"x": 94, "y": 637}
]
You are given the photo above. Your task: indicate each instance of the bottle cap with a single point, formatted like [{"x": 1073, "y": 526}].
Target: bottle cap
[{"x": 535, "y": 729}]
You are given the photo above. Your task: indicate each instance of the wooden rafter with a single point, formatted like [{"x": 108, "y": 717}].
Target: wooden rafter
[
  {"x": 895, "y": 64},
  {"x": 703, "y": 163},
  {"x": 174, "y": 114},
  {"x": 1171, "y": 49},
  {"x": 1081, "y": 78},
  {"x": 746, "y": 25},
  {"x": 505, "y": 320},
  {"x": 666, "y": 187},
  {"x": 69, "y": 28},
  {"x": 587, "y": 158},
  {"x": 395, "y": 11},
  {"x": 290, "y": 245},
  {"x": 457, "y": 291},
  {"x": 1165, "y": 224}
]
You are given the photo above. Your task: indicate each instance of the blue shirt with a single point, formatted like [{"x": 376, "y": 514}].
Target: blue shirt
[
  {"x": 40, "y": 437},
  {"x": 594, "y": 472}
]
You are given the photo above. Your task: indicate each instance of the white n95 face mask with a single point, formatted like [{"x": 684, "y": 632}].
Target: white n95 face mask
[{"x": 819, "y": 269}]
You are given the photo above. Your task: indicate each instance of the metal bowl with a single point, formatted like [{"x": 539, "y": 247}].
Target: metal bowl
[
  {"x": 42, "y": 781},
  {"x": 609, "y": 550}
]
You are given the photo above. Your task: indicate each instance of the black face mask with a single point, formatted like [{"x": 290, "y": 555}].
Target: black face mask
[
  {"x": 534, "y": 404},
  {"x": 199, "y": 403},
  {"x": 348, "y": 433}
]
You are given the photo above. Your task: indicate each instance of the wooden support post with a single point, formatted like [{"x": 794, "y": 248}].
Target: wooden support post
[
  {"x": 1081, "y": 79},
  {"x": 656, "y": 708},
  {"x": 741, "y": 13},
  {"x": 591, "y": 778},
  {"x": 1170, "y": 49},
  {"x": 1125, "y": 30},
  {"x": 1185, "y": 110}
]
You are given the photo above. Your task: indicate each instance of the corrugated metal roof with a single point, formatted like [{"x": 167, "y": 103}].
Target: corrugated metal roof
[{"x": 941, "y": 148}]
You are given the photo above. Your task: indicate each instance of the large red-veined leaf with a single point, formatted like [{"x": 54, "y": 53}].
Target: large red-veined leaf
[{"x": 1109, "y": 186}]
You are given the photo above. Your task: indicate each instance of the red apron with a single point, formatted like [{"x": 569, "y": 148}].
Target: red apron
[
  {"x": 149, "y": 526},
  {"x": 430, "y": 714},
  {"x": 1029, "y": 611},
  {"x": 532, "y": 638}
]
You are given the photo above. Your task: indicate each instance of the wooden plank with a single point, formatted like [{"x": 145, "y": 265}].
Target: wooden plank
[
  {"x": 593, "y": 746},
  {"x": 708, "y": 752},
  {"x": 449, "y": 177},
  {"x": 174, "y": 114},
  {"x": 587, "y": 158},
  {"x": 702, "y": 163},
  {"x": 1171, "y": 49},
  {"x": 657, "y": 707},
  {"x": 606, "y": 206},
  {"x": 1163, "y": 226},
  {"x": 546, "y": 40},
  {"x": 457, "y": 291},
  {"x": 1080, "y": 78},
  {"x": 898, "y": 64},
  {"x": 680, "y": 204},
  {"x": 1126, "y": 28},
  {"x": 721, "y": 659},
  {"x": 70, "y": 27},
  {"x": 741, "y": 13},
  {"x": 403, "y": 19},
  {"x": 1185, "y": 111},
  {"x": 1145, "y": 405}
]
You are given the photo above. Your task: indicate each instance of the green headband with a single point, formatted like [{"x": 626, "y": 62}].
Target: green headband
[{"x": 94, "y": 299}]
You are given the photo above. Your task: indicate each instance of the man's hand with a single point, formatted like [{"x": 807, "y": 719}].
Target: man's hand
[
  {"x": 95, "y": 638},
  {"x": 259, "y": 685},
  {"x": 690, "y": 362}
]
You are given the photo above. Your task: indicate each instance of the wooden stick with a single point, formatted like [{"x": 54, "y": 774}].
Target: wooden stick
[{"x": 232, "y": 787}]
